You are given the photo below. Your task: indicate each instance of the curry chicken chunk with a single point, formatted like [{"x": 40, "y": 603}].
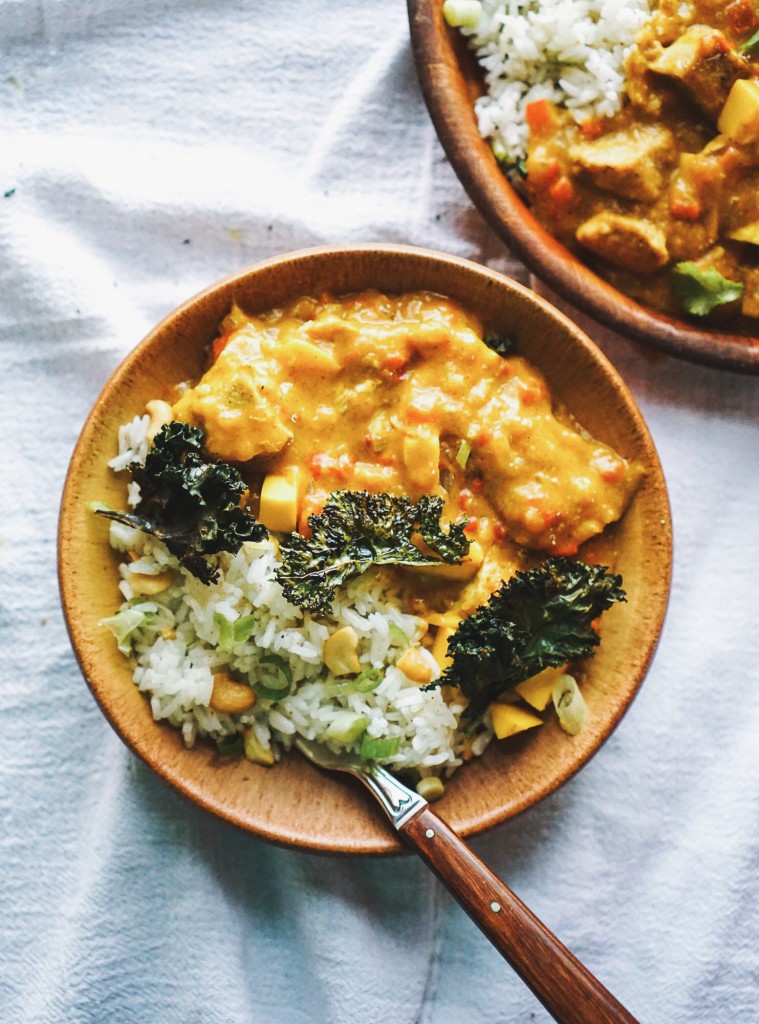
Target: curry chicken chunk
[
  {"x": 668, "y": 188},
  {"x": 401, "y": 395}
]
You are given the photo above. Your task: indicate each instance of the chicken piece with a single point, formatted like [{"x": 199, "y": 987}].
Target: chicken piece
[
  {"x": 631, "y": 162},
  {"x": 632, "y": 243},
  {"x": 695, "y": 193},
  {"x": 705, "y": 64},
  {"x": 237, "y": 403}
]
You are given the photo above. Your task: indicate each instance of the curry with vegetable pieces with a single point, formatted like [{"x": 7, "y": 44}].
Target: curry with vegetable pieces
[
  {"x": 399, "y": 395},
  {"x": 390, "y": 433},
  {"x": 663, "y": 198}
]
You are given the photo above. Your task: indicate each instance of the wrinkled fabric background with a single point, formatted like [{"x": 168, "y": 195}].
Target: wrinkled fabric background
[{"x": 147, "y": 149}]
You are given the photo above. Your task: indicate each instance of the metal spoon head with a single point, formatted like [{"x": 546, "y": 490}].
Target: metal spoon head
[{"x": 321, "y": 755}]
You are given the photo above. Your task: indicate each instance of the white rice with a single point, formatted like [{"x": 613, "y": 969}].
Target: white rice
[
  {"x": 176, "y": 651},
  {"x": 572, "y": 52}
]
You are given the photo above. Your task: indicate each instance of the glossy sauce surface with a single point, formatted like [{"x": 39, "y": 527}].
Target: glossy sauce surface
[{"x": 402, "y": 395}]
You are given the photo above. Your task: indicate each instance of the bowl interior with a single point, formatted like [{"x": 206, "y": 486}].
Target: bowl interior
[
  {"x": 294, "y": 803},
  {"x": 451, "y": 81}
]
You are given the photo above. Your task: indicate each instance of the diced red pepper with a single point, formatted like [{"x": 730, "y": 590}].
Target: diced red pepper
[
  {"x": 542, "y": 116},
  {"x": 220, "y": 344},
  {"x": 562, "y": 192},
  {"x": 546, "y": 174},
  {"x": 530, "y": 396},
  {"x": 592, "y": 128},
  {"x": 684, "y": 207},
  {"x": 500, "y": 532},
  {"x": 741, "y": 17},
  {"x": 394, "y": 361}
]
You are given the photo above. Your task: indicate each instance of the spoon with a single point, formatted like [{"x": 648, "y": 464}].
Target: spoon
[{"x": 570, "y": 993}]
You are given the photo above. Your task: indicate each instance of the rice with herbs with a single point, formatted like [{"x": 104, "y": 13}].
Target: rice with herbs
[
  {"x": 571, "y": 52},
  {"x": 184, "y": 635}
]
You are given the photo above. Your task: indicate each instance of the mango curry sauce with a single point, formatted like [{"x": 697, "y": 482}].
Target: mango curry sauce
[{"x": 401, "y": 395}]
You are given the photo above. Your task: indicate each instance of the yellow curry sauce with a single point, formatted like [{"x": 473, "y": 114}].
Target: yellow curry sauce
[
  {"x": 672, "y": 178},
  {"x": 401, "y": 395}
]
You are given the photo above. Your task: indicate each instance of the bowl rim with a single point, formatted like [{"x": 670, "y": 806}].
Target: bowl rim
[
  {"x": 438, "y": 52},
  {"x": 288, "y": 834}
]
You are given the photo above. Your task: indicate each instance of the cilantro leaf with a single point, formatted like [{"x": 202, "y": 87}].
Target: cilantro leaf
[
  {"x": 356, "y": 530},
  {"x": 701, "y": 291},
  {"x": 190, "y": 503},
  {"x": 749, "y": 44},
  {"x": 538, "y": 619}
]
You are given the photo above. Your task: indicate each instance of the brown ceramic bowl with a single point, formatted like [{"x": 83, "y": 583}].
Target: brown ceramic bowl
[
  {"x": 451, "y": 82},
  {"x": 294, "y": 803}
]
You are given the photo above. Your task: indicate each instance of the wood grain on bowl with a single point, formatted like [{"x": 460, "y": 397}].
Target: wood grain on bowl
[
  {"x": 293, "y": 803},
  {"x": 450, "y": 81}
]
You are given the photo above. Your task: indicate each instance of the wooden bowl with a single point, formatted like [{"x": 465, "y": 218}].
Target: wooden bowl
[
  {"x": 451, "y": 81},
  {"x": 293, "y": 803}
]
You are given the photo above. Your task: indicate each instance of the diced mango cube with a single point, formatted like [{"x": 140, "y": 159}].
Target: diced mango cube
[
  {"x": 415, "y": 666},
  {"x": 739, "y": 119},
  {"x": 421, "y": 457},
  {"x": 254, "y": 751},
  {"x": 538, "y": 689},
  {"x": 279, "y": 501},
  {"x": 340, "y": 652},
  {"x": 747, "y": 233},
  {"x": 509, "y": 719}
]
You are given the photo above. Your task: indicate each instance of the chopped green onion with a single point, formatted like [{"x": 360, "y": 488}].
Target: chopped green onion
[
  {"x": 340, "y": 688},
  {"x": 277, "y": 678},
  {"x": 123, "y": 624},
  {"x": 462, "y": 13},
  {"x": 520, "y": 166},
  {"x": 750, "y": 43},
  {"x": 227, "y": 746},
  {"x": 233, "y": 632},
  {"x": 224, "y": 627},
  {"x": 346, "y": 727},
  {"x": 570, "y": 704},
  {"x": 462, "y": 455},
  {"x": 242, "y": 629},
  {"x": 368, "y": 680},
  {"x": 499, "y": 151},
  {"x": 377, "y": 749},
  {"x": 398, "y": 636}
]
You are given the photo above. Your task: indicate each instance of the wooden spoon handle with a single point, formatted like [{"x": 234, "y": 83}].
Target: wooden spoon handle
[{"x": 568, "y": 990}]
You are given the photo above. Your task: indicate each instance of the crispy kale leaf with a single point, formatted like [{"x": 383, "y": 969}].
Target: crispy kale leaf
[
  {"x": 501, "y": 344},
  {"x": 355, "y": 530},
  {"x": 538, "y": 619},
  {"x": 190, "y": 503},
  {"x": 701, "y": 291}
]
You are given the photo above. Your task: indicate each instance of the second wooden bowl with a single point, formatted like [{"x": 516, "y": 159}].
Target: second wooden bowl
[{"x": 451, "y": 82}]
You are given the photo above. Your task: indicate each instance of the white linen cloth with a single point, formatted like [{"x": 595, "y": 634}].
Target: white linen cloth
[{"x": 147, "y": 150}]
